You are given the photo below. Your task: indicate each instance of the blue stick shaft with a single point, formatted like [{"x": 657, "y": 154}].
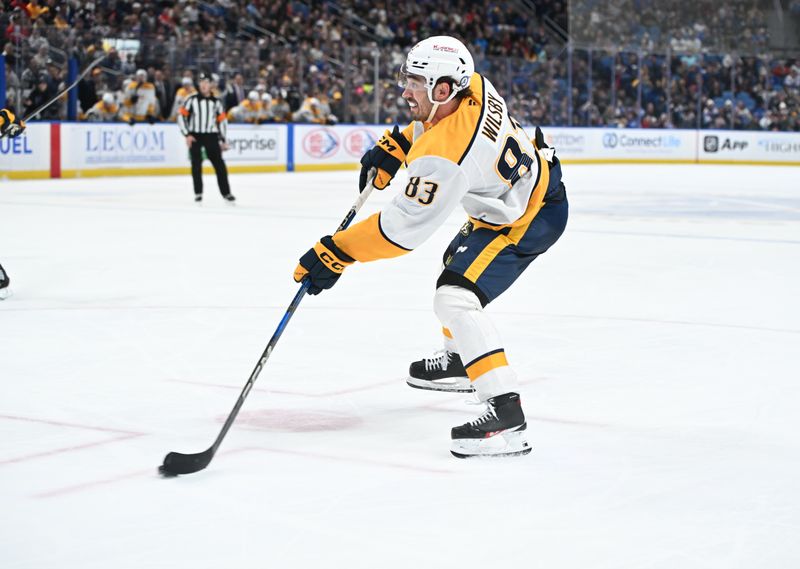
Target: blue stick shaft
[{"x": 362, "y": 198}]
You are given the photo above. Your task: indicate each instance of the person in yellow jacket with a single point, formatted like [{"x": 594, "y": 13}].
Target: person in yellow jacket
[
  {"x": 104, "y": 110},
  {"x": 139, "y": 101},
  {"x": 314, "y": 111},
  {"x": 183, "y": 92},
  {"x": 10, "y": 125},
  {"x": 462, "y": 149},
  {"x": 248, "y": 111}
]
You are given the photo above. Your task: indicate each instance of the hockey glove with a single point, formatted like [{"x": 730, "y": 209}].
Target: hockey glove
[
  {"x": 322, "y": 265},
  {"x": 386, "y": 157},
  {"x": 11, "y": 125}
]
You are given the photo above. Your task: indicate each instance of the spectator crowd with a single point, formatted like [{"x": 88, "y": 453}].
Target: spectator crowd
[{"x": 632, "y": 63}]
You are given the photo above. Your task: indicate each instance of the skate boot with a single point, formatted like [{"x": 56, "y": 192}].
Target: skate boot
[
  {"x": 5, "y": 290},
  {"x": 441, "y": 372},
  {"x": 500, "y": 431}
]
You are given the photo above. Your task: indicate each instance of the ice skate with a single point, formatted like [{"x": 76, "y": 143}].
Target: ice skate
[
  {"x": 499, "y": 432},
  {"x": 441, "y": 372}
]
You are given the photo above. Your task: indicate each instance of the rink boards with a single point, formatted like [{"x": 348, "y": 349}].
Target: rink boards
[{"x": 70, "y": 150}]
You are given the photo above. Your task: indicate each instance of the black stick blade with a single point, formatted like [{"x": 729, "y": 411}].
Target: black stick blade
[{"x": 176, "y": 463}]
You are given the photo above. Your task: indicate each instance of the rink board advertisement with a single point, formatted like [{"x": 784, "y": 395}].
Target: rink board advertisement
[
  {"x": 118, "y": 149},
  {"x": 104, "y": 147},
  {"x": 319, "y": 147},
  {"x": 613, "y": 145},
  {"x": 262, "y": 145},
  {"x": 28, "y": 155},
  {"x": 54, "y": 150},
  {"x": 748, "y": 147}
]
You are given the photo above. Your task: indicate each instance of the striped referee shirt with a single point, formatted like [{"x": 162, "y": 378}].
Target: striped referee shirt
[{"x": 202, "y": 115}]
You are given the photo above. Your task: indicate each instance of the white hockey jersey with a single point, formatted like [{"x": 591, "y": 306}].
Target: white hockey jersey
[{"x": 478, "y": 157}]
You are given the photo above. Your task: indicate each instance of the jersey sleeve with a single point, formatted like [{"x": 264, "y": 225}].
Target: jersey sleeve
[
  {"x": 435, "y": 188},
  {"x": 222, "y": 121}
]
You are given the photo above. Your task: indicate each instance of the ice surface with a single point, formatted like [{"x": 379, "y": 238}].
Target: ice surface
[{"x": 657, "y": 344}]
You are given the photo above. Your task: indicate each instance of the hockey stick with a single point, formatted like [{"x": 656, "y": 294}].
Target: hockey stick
[
  {"x": 176, "y": 463},
  {"x": 91, "y": 66}
]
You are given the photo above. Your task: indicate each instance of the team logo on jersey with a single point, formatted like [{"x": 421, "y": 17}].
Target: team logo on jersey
[
  {"x": 321, "y": 143},
  {"x": 358, "y": 141}
]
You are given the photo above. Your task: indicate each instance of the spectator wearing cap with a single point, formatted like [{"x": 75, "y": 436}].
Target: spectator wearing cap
[{"x": 140, "y": 102}]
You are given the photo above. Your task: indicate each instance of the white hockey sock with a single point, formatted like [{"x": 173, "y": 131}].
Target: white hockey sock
[{"x": 478, "y": 342}]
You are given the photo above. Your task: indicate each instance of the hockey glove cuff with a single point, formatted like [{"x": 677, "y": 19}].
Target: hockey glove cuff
[
  {"x": 322, "y": 265},
  {"x": 386, "y": 157}
]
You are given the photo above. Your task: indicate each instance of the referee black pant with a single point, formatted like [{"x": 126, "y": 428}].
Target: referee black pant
[{"x": 209, "y": 141}]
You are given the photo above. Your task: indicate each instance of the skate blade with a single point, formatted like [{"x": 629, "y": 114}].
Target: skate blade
[
  {"x": 493, "y": 456},
  {"x": 503, "y": 445},
  {"x": 442, "y": 385}
]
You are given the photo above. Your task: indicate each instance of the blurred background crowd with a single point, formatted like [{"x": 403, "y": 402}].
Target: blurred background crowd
[{"x": 625, "y": 63}]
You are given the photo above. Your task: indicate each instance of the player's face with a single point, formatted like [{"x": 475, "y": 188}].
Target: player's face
[
  {"x": 416, "y": 95},
  {"x": 205, "y": 87}
]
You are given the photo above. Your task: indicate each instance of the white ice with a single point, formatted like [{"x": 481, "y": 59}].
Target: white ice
[{"x": 658, "y": 346}]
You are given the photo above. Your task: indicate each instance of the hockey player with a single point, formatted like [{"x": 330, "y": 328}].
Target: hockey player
[
  {"x": 313, "y": 111},
  {"x": 462, "y": 148},
  {"x": 249, "y": 110},
  {"x": 140, "y": 100},
  {"x": 104, "y": 110},
  {"x": 186, "y": 89},
  {"x": 10, "y": 125},
  {"x": 279, "y": 108},
  {"x": 266, "y": 115}
]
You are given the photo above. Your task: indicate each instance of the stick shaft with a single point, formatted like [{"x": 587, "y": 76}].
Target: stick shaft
[
  {"x": 362, "y": 198},
  {"x": 91, "y": 66}
]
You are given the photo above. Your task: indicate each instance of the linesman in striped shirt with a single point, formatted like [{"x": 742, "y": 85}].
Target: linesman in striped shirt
[{"x": 202, "y": 121}]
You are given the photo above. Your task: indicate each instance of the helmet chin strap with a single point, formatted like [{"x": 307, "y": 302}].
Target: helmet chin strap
[
  {"x": 436, "y": 104},
  {"x": 434, "y": 108}
]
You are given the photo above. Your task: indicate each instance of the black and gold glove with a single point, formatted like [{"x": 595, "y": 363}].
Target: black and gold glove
[
  {"x": 386, "y": 157},
  {"x": 323, "y": 264}
]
